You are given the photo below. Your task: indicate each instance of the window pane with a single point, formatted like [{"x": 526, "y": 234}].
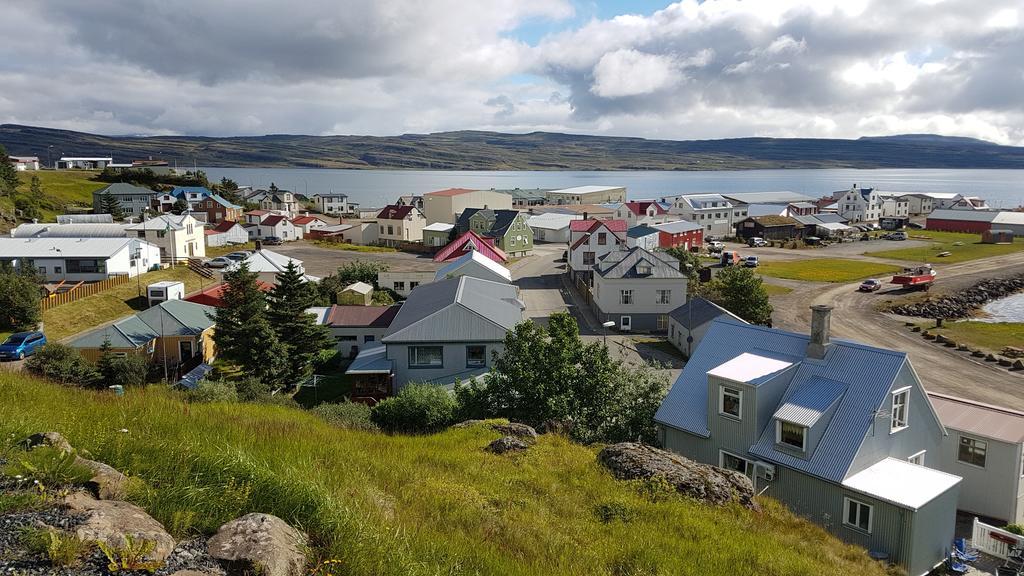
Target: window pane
[
  {"x": 731, "y": 401},
  {"x": 791, "y": 435},
  {"x": 426, "y": 356},
  {"x": 476, "y": 356}
]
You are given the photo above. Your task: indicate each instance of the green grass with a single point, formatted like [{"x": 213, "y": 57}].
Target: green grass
[
  {"x": 825, "y": 269},
  {"x": 91, "y": 311},
  {"x": 971, "y": 248},
  {"x": 659, "y": 344},
  {"x": 61, "y": 188},
  {"x": 412, "y": 505},
  {"x": 214, "y": 251},
  {"x": 351, "y": 247},
  {"x": 991, "y": 336},
  {"x": 776, "y": 290}
]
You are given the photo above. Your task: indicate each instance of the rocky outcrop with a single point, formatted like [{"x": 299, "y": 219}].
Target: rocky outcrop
[
  {"x": 632, "y": 461},
  {"x": 261, "y": 544},
  {"x": 106, "y": 483},
  {"x": 521, "y": 431},
  {"x": 111, "y": 522},
  {"x": 964, "y": 303},
  {"x": 507, "y": 444},
  {"x": 52, "y": 439}
]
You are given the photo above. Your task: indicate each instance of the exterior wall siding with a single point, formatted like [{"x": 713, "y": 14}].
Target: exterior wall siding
[
  {"x": 454, "y": 357},
  {"x": 992, "y": 491},
  {"x": 957, "y": 225}
]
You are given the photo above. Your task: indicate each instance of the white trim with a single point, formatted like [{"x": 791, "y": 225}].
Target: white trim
[
  {"x": 721, "y": 401},
  {"x": 920, "y": 455},
  {"x": 905, "y": 423},
  {"x": 975, "y": 439},
  {"x": 748, "y": 463},
  {"x": 778, "y": 435},
  {"x": 847, "y": 501},
  {"x": 625, "y": 323}
]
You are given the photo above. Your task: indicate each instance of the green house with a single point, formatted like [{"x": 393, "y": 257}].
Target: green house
[{"x": 509, "y": 229}]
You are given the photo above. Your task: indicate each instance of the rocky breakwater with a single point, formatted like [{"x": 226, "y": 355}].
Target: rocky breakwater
[{"x": 965, "y": 303}]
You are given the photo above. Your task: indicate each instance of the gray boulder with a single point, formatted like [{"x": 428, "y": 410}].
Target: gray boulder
[
  {"x": 507, "y": 444},
  {"x": 631, "y": 461},
  {"x": 107, "y": 483},
  {"x": 52, "y": 439},
  {"x": 261, "y": 544},
  {"x": 521, "y": 431},
  {"x": 111, "y": 522},
  {"x": 557, "y": 426}
]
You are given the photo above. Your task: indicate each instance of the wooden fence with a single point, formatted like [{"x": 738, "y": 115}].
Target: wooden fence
[
  {"x": 81, "y": 290},
  {"x": 993, "y": 541}
]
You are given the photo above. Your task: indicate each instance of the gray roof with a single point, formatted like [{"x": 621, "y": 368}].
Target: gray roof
[
  {"x": 162, "y": 222},
  {"x": 698, "y": 312},
  {"x": 371, "y": 360},
  {"x": 827, "y": 218},
  {"x": 980, "y": 419},
  {"x": 866, "y": 372},
  {"x": 463, "y": 309},
  {"x": 677, "y": 227},
  {"x": 641, "y": 231},
  {"x": 765, "y": 209},
  {"x": 169, "y": 318},
  {"x": 68, "y": 247},
  {"x": 810, "y": 401},
  {"x": 122, "y": 189},
  {"x": 964, "y": 215},
  {"x": 624, "y": 264},
  {"x": 782, "y": 197},
  {"x": 83, "y": 230}
]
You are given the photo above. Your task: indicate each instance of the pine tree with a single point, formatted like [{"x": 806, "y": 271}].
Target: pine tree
[
  {"x": 8, "y": 175},
  {"x": 244, "y": 335},
  {"x": 28, "y": 204},
  {"x": 105, "y": 364},
  {"x": 19, "y": 297},
  {"x": 302, "y": 337},
  {"x": 110, "y": 205}
]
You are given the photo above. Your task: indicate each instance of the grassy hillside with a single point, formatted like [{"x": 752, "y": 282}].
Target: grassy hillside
[
  {"x": 474, "y": 150},
  {"x": 60, "y": 189},
  {"x": 401, "y": 505}
]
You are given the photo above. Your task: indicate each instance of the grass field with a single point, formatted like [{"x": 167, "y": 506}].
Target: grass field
[
  {"x": 214, "y": 251},
  {"x": 61, "y": 188},
  {"x": 971, "y": 248},
  {"x": 825, "y": 269},
  {"x": 352, "y": 247},
  {"x": 85, "y": 313},
  {"x": 991, "y": 336},
  {"x": 414, "y": 505},
  {"x": 775, "y": 289}
]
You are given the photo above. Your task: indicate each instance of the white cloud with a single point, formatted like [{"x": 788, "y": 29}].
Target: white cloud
[{"x": 629, "y": 73}]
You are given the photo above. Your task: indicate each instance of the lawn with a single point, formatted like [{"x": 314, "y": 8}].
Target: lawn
[
  {"x": 91, "y": 311},
  {"x": 61, "y": 188},
  {"x": 352, "y": 247},
  {"x": 394, "y": 505},
  {"x": 214, "y": 251},
  {"x": 659, "y": 344},
  {"x": 991, "y": 336},
  {"x": 970, "y": 248},
  {"x": 825, "y": 269},
  {"x": 775, "y": 289}
]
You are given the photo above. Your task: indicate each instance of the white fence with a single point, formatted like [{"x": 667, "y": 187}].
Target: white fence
[{"x": 993, "y": 541}]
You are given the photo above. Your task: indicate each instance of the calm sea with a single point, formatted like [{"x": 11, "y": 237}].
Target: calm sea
[{"x": 1002, "y": 188}]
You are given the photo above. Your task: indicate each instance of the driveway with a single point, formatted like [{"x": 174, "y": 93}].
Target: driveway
[{"x": 325, "y": 261}]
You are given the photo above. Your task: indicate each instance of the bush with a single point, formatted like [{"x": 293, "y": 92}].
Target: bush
[
  {"x": 213, "y": 391},
  {"x": 50, "y": 466},
  {"x": 252, "y": 390},
  {"x": 279, "y": 400},
  {"x": 63, "y": 364},
  {"x": 349, "y": 415},
  {"x": 128, "y": 371},
  {"x": 418, "y": 408},
  {"x": 1015, "y": 529}
]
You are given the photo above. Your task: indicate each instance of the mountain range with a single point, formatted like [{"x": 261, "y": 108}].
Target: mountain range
[{"x": 477, "y": 150}]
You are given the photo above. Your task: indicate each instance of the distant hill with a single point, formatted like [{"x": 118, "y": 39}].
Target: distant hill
[{"x": 474, "y": 150}]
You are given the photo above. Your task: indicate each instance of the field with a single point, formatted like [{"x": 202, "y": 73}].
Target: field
[
  {"x": 991, "y": 336},
  {"x": 92, "y": 311},
  {"x": 776, "y": 290},
  {"x": 214, "y": 251},
  {"x": 351, "y": 247},
  {"x": 971, "y": 248},
  {"x": 61, "y": 188},
  {"x": 825, "y": 269},
  {"x": 413, "y": 505}
]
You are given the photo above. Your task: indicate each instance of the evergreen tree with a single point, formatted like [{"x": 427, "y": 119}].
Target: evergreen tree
[
  {"x": 110, "y": 205},
  {"x": 19, "y": 297},
  {"x": 297, "y": 330},
  {"x": 105, "y": 363},
  {"x": 8, "y": 174},
  {"x": 28, "y": 204},
  {"x": 244, "y": 335}
]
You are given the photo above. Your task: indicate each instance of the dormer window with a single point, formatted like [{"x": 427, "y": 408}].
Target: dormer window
[
  {"x": 730, "y": 401},
  {"x": 643, "y": 268},
  {"x": 900, "y": 400},
  {"x": 791, "y": 435}
]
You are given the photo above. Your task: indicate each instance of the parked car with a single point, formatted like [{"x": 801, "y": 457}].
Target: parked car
[
  {"x": 756, "y": 242},
  {"x": 715, "y": 246},
  {"x": 237, "y": 256},
  {"x": 272, "y": 241},
  {"x": 750, "y": 262},
  {"x": 21, "y": 344},
  {"x": 730, "y": 257},
  {"x": 897, "y": 236},
  {"x": 219, "y": 262},
  {"x": 870, "y": 285}
]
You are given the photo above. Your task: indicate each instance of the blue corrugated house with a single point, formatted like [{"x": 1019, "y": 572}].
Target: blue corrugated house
[{"x": 841, "y": 432}]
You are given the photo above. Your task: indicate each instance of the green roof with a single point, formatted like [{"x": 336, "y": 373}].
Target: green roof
[{"x": 169, "y": 318}]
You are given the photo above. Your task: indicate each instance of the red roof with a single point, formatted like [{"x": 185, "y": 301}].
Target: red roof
[
  {"x": 450, "y": 192},
  {"x": 394, "y": 212},
  {"x": 223, "y": 226},
  {"x": 257, "y": 212},
  {"x": 303, "y": 220},
  {"x": 368, "y": 316},
  {"x": 460, "y": 246},
  {"x": 212, "y": 295},
  {"x": 640, "y": 208},
  {"x": 273, "y": 220},
  {"x": 591, "y": 225}
]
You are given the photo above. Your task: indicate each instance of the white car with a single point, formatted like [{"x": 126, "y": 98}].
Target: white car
[
  {"x": 715, "y": 246},
  {"x": 219, "y": 262}
]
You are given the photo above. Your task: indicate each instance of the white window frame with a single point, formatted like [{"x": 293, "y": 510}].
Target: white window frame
[
  {"x": 975, "y": 441},
  {"x": 918, "y": 458},
  {"x": 748, "y": 464},
  {"x": 894, "y": 424},
  {"x": 721, "y": 401},
  {"x": 778, "y": 435},
  {"x": 664, "y": 296},
  {"x": 847, "y": 504},
  {"x": 626, "y": 297}
]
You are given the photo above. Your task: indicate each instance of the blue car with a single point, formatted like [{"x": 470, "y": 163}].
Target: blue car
[{"x": 21, "y": 344}]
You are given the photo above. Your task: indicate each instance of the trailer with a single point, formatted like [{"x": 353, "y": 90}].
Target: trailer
[{"x": 919, "y": 278}]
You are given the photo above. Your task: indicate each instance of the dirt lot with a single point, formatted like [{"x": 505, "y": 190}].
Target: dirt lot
[{"x": 325, "y": 261}]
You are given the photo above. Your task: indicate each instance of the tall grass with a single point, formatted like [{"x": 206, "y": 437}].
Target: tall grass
[{"x": 412, "y": 505}]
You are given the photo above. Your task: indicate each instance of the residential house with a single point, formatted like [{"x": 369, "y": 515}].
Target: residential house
[
  {"x": 551, "y": 227},
  {"x": 470, "y": 241},
  {"x": 403, "y": 282},
  {"x": 23, "y": 163},
  {"x": 308, "y": 223},
  {"x": 770, "y": 228},
  {"x": 646, "y": 212},
  {"x": 643, "y": 236},
  {"x": 985, "y": 446},
  {"x": 218, "y": 209},
  {"x": 214, "y": 295},
  {"x": 591, "y": 240},
  {"x": 509, "y": 229},
  {"x": 268, "y": 264},
  {"x": 176, "y": 331},
  {"x": 437, "y": 234},
  {"x": 922, "y": 203},
  {"x": 356, "y": 294},
  {"x": 179, "y": 237},
  {"x": 357, "y": 327},
  {"x": 362, "y": 233},
  {"x": 226, "y": 232},
  {"x": 688, "y": 323},
  {"x": 280, "y": 201},
  {"x": 81, "y": 259},
  {"x": 447, "y": 205},
  {"x": 400, "y": 224},
  {"x": 968, "y": 203},
  {"x": 134, "y": 201},
  {"x": 833, "y": 429},
  {"x": 475, "y": 264},
  {"x": 84, "y": 162},
  {"x": 713, "y": 212},
  {"x": 801, "y": 209},
  {"x": 450, "y": 330},
  {"x": 636, "y": 289},
  {"x": 413, "y": 200},
  {"x": 680, "y": 233},
  {"x": 278, "y": 226},
  {"x": 859, "y": 204},
  {"x": 334, "y": 204},
  {"x": 587, "y": 195}
]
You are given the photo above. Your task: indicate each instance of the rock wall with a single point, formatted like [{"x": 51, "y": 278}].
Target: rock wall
[{"x": 965, "y": 303}]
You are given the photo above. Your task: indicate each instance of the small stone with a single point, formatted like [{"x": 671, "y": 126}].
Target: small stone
[
  {"x": 977, "y": 353},
  {"x": 53, "y": 439},
  {"x": 106, "y": 483},
  {"x": 991, "y": 358},
  {"x": 507, "y": 444},
  {"x": 1005, "y": 362},
  {"x": 261, "y": 544},
  {"x": 1018, "y": 364}
]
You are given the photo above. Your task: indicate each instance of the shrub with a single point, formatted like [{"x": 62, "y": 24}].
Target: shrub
[
  {"x": 279, "y": 400},
  {"x": 213, "y": 391},
  {"x": 63, "y": 364},
  {"x": 127, "y": 371},
  {"x": 349, "y": 415},
  {"x": 50, "y": 466},
  {"x": 1015, "y": 529},
  {"x": 418, "y": 408},
  {"x": 61, "y": 548},
  {"x": 252, "y": 390}
]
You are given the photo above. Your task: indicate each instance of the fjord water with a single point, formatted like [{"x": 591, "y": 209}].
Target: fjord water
[
  {"x": 1002, "y": 188},
  {"x": 1009, "y": 309}
]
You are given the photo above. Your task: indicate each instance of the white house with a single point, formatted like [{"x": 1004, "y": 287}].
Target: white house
[
  {"x": 716, "y": 214},
  {"x": 636, "y": 289},
  {"x": 226, "y": 232},
  {"x": 592, "y": 239},
  {"x": 179, "y": 237},
  {"x": 81, "y": 259},
  {"x": 551, "y": 226},
  {"x": 587, "y": 195},
  {"x": 334, "y": 204},
  {"x": 647, "y": 212},
  {"x": 962, "y": 202},
  {"x": 859, "y": 204},
  {"x": 475, "y": 264},
  {"x": 84, "y": 163},
  {"x": 398, "y": 224},
  {"x": 309, "y": 223},
  {"x": 23, "y": 163},
  {"x": 403, "y": 282},
  {"x": 279, "y": 226},
  {"x": 268, "y": 264}
]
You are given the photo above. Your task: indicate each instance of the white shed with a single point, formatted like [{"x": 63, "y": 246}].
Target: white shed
[{"x": 167, "y": 290}]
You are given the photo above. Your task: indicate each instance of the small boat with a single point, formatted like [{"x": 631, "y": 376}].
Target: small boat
[{"x": 920, "y": 277}]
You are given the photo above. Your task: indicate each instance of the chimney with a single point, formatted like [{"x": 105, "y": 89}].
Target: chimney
[
  {"x": 820, "y": 319},
  {"x": 584, "y": 214}
]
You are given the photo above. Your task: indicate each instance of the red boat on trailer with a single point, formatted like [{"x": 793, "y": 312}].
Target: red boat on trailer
[{"x": 920, "y": 278}]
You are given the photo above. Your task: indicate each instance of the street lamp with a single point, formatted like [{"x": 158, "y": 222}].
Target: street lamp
[{"x": 607, "y": 325}]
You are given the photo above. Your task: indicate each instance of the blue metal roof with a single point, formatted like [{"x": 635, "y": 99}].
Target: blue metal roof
[
  {"x": 867, "y": 373},
  {"x": 810, "y": 401}
]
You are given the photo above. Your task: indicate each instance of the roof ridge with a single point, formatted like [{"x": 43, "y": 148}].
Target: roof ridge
[{"x": 969, "y": 402}]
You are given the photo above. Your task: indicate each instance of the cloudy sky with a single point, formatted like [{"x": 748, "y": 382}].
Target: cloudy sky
[{"x": 714, "y": 69}]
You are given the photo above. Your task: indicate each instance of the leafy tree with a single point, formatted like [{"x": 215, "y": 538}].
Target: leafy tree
[
  {"x": 741, "y": 291},
  {"x": 297, "y": 330},
  {"x": 355, "y": 271},
  {"x": 244, "y": 336},
  {"x": 180, "y": 206},
  {"x": 689, "y": 262},
  {"x": 19, "y": 297},
  {"x": 63, "y": 364},
  {"x": 228, "y": 188},
  {"x": 418, "y": 408},
  {"x": 8, "y": 174},
  {"x": 110, "y": 205}
]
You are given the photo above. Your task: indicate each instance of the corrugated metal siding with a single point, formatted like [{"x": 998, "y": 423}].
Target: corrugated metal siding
[
  {"x": 932, "y": 533},
  {"x": 957, "y": 225}
]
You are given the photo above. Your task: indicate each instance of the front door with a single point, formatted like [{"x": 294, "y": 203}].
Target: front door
[
  {"x": 185, "y": 350},
  {"x": 625, "y": 323}
]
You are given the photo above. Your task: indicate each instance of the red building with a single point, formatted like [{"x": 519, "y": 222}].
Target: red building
[
  {"x": 679, "y": 233},
  {"x": 471, "y": 241},
  {"x": 961, "y": 221}
]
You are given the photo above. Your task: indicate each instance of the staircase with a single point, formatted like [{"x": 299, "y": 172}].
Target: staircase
[{"x": 196, "y": 265}]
